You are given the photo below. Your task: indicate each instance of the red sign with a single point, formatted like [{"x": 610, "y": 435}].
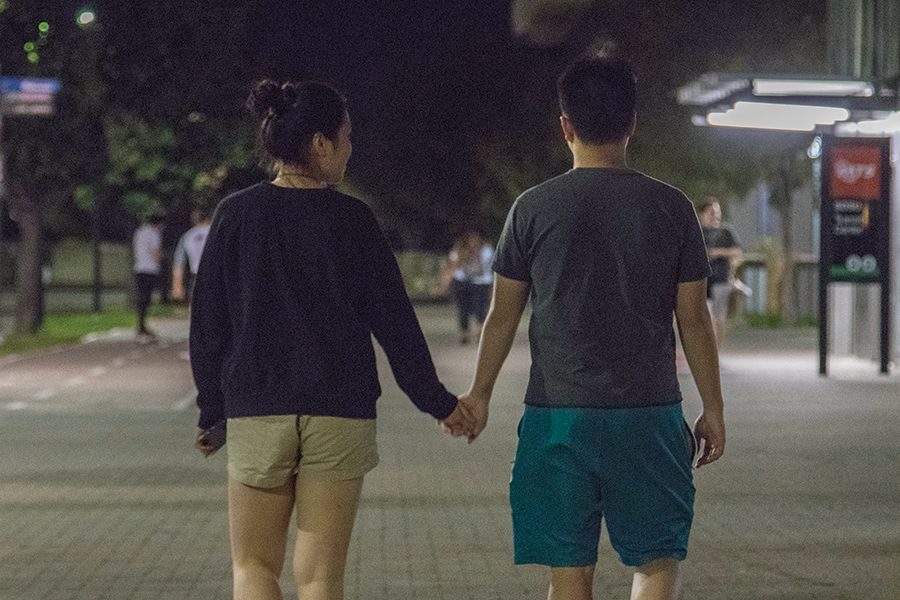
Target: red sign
[{"x": 856, "y": 172}]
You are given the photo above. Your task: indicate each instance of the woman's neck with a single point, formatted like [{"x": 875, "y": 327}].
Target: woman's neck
[{"x": 295, "y": 177}]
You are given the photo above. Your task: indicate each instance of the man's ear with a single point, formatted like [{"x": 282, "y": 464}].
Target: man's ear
[
  {"x": 567, "y": 128},
  {"x": 318, "y": 144}
]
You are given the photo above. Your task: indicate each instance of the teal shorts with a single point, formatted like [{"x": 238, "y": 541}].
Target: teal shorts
[{"x": 577, "y": 466}]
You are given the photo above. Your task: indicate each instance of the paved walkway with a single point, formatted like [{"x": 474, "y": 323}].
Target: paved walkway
[{"x": 103, "y": 497}]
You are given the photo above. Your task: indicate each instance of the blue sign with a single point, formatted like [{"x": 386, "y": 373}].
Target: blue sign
[
  {"x": 29, "y": 85},
  {"x": 28, "y": 95}
]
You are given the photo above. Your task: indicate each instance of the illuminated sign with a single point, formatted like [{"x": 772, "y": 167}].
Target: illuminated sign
[
  {"x": 28, "y": 96},
  {"x": 855, "y": 215}
]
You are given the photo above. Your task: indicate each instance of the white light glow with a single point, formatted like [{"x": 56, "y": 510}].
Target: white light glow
[
  {"x": 804, "y": 87},
  {"x": 781, "y": 117},
  {"x": 885, "y": 126},
  {"x": 86, "y": 17}
]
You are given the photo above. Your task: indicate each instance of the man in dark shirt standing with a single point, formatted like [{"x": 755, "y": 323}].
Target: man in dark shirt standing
[
  {"x": 607, "y": 255},
  {"x": 724, "y": 250}
]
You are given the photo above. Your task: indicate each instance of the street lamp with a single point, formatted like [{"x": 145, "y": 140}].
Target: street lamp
[{"x": 85, "y": 18}]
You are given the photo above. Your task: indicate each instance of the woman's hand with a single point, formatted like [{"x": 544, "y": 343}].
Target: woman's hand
[
  {"x": 458, "y": 424},
  {"x": 201, "y": 444}
]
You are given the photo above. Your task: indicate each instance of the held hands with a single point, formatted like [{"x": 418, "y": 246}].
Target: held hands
[
  {"x": 709, "y": 432},
  {"x": 469, "y": 418}
]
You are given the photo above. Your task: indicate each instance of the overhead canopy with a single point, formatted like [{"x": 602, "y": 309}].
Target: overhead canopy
[{"x": 786, "y": 102}]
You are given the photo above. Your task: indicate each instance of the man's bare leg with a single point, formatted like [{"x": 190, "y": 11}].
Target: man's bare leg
[
  {"x": 571, "y": 583},
  {"x": 659, "y": 579}
]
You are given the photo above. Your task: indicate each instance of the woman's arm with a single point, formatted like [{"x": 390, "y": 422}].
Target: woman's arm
[
  {"x": 210, "y": 326},
  {"x": 394, "y": 324}
]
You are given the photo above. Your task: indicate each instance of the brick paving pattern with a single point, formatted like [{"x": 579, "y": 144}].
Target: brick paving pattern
[{"x": 103, "y": 497}]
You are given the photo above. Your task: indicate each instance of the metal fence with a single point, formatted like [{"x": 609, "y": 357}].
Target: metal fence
[{"x": 754, "y": 273}]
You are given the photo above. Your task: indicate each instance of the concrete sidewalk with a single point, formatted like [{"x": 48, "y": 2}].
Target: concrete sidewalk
[{"x": 107, "y": 499}]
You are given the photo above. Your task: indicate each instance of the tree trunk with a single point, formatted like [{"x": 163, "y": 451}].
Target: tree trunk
[
  {"x": 29, "y": 287},
  {"x": 786, "y": 289}
]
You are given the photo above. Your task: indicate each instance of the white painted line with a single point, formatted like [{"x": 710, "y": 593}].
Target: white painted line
[
  {"x": 117, "y": 362},
  {"x": 16, "y": 406},
  {"x": 117, "y": 333},
  {"x": 45, "y": 394},
  {"x": 8, "y": 360},
  {"x": 97, "y": 372},
  {"x": 186, "y": 402},
  {"x": 78, "y": 380}
]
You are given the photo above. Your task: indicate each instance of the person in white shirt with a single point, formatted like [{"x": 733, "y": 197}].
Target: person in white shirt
[
  {"x": 468, "y": 272},
  {"x": 189, "y": 250},
  {"x": 147, "y": 246}
]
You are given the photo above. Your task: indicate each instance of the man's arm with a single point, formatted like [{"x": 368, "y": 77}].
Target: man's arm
[
  {"x": 178, "y": 261},
  {"x": 508, "y": 303},
  {"x": 699, "y": 342}
]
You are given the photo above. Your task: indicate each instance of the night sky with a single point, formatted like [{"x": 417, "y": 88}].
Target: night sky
[{"x": 433, "y": 83}]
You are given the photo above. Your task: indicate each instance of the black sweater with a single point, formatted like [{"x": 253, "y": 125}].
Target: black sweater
[{"x": 291, "y": 287}]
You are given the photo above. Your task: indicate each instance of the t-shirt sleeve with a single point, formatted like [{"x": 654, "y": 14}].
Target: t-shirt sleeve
[
  {"x": 693, "y": 264},
  {"x": 731, "y": 238},
  {"x": 511, "y": 257}
]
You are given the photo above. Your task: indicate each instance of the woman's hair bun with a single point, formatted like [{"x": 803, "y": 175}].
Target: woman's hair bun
[{"x": 270, "y": 97}]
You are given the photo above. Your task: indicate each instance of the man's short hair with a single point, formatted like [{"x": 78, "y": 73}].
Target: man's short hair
[{"x": 598, "y": 95}]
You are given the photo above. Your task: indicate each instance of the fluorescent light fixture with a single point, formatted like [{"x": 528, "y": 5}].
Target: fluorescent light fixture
[
  {"x": 699, "y": 120},
  {"x": 781, "y": 117},
  {"x": 885, "y": 126},
  {"x": 811, "y": 87},
  {"x": 883, "y": 123}
]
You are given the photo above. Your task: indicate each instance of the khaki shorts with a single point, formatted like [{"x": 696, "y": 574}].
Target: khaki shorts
[{"x": 267, "y": 451}]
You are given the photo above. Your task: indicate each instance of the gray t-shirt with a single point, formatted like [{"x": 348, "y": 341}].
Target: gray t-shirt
[{"x": 604, "y": 250}]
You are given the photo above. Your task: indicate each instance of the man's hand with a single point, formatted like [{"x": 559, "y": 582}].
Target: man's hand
[
  {"x": 710, "y": 428},
  {"x": 475, "y": 407},
  {"x": 458, "y": 423}
]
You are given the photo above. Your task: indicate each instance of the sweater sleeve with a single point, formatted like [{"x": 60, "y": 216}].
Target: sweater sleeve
[
  {"x": 210, "y": 325},
  {"x": 394, "y": 324}
]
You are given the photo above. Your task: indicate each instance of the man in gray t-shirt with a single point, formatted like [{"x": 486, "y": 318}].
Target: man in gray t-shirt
[
  {"x": 603, "y": 250},
  {"x": 607, "y": 255}
]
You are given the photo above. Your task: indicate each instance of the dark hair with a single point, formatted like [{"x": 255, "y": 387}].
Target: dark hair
[
  {"x": 598, "y": 95},
  {"x": 292, "y": 113}
]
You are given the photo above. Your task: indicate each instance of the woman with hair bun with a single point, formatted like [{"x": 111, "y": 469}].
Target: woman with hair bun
[{"x": 295, "y": 279}]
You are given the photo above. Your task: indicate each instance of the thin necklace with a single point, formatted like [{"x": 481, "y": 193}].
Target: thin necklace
[{"x": 290, "y": 180}]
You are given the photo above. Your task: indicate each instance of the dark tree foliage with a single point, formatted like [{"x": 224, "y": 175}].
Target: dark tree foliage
[{"x": 453, "y": 115}]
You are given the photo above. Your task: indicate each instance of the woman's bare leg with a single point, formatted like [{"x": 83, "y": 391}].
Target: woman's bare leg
[
  {"x": 326, "y": 511},
  {"x": 259, "y": 519}
]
